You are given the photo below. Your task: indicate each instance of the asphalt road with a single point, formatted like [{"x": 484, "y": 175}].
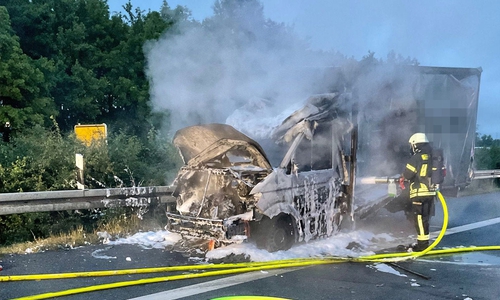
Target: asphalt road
[{"x": 459, "y": 276}]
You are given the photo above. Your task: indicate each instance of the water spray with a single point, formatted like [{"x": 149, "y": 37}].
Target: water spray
[{"x": 378, "y": 180}]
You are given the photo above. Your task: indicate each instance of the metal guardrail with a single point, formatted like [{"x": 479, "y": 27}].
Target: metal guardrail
[
  {"x": 13, "y": 203},
  {"x": 486, "y": 174}
]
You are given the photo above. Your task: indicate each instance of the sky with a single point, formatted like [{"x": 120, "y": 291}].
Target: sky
[{"x": 446, "y": 33}]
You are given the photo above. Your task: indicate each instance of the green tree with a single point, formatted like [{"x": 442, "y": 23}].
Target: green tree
[
  {"x": 126, "y": 100},
  {"x": 24, "y": 90},
  {"x": 485, "y": 140},
  {"x": 98, "y": 74},
  {"x": 487, "y": 152}
]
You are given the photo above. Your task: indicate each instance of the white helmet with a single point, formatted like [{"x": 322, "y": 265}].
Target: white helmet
[{"x": 418, "y": 138}]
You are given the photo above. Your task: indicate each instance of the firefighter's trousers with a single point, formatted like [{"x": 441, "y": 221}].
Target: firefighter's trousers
[{"x": 422, "y": 210}]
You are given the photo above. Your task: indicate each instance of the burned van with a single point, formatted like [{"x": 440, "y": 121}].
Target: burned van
[{"x": 228, "y": 191}]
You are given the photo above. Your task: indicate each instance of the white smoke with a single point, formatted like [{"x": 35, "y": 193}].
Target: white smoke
[
  {"x": 201, "y": 73},
  {"x": 239, "y": 65}
]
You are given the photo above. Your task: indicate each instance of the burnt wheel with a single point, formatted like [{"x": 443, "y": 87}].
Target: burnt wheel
[{"x": 279, "y": 234}]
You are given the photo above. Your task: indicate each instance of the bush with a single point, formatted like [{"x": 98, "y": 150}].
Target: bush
[{"x": 44, "y": 160}]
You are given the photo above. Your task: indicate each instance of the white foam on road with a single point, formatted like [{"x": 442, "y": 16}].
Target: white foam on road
[
  {"x": 386, "y": 269},
  {"x": 357, "y": 242},
  {"x": 97, "y": 254},
  {"x": 333, "y": 246},
  {"x": 336, "y": 245},
  {"x": 151, "y": 239}
]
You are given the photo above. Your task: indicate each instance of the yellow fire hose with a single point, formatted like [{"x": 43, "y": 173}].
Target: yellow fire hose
[
  {"x": 175, "y": 277},
  {"x": 225, "y": 269},
  {"x": 404, "y": 255},
  {"x": 147, "y": 270}
]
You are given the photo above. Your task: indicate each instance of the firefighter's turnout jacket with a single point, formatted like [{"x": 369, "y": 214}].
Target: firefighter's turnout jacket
[{"x": 418, "y": 172}]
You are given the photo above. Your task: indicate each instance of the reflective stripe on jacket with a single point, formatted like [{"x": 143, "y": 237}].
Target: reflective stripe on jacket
[
  {"x": 418, "y": 171},
  {"x": 420, "y": 190}
]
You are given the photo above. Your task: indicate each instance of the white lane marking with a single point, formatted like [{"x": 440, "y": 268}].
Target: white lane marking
[
  {"x": 460, "y": 263},
  {"x": 217, "y": 284},
  {"x": 470, "y": 226}
]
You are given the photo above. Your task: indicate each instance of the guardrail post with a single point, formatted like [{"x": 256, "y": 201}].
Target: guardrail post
[{"x": 79, "y": 171}]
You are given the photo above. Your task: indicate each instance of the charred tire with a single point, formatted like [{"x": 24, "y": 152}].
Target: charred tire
[{"x": 275, "y": 234}]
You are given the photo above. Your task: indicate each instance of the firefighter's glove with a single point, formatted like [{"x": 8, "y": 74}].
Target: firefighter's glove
[{"x": 402, "y": 183}]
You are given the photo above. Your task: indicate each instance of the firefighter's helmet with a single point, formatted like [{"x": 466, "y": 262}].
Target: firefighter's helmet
[{"x": 416, "y": 139}]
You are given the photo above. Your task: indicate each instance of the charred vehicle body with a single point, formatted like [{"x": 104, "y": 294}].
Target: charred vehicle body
[{"x": 228, "y": 189}]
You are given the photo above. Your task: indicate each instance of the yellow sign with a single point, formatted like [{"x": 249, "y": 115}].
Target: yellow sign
[{"x": 91, "y": 132}]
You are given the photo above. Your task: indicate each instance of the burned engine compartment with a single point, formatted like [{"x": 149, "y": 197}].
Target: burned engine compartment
[
  {"x": 216, "y": 182},
  {"x": 227, "y": 186},
  {"x": 216, "y": 193}
]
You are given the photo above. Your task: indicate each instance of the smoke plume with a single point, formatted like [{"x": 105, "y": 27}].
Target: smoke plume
[
  {"x": 238, "y": 61},
  {"x": 201, "y": 73}
]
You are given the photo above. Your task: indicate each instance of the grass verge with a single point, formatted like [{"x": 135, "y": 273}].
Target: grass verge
[
  {"x": 480, "y": 186},
  {"x": 121, "y": 225}
]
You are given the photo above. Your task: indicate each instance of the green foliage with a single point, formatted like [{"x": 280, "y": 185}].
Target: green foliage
[
  {"x": 89, "y": 65},
  {"x": 45, "y": 160},
  {"x": 22, "y": 227},
  {"x": 24, "y": 90},
  {"x": 67, "y": 62},
  {"x": 64, "y": 62},
  {"x": 129, "y": 161},
  {"x": 486, "y": 141},
  {"x": 487, "y": 154},
  {"x": 487, "y": 158},
  {"x": 38, "y": 160}
]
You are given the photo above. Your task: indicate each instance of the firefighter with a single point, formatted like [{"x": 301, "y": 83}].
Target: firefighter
[{"x": 421, "y": 192}]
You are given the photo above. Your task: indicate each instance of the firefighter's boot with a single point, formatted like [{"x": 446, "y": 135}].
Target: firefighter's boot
[{"x": 420, "y": 246}]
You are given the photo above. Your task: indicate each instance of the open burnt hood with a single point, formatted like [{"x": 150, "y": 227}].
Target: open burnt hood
[{"x": 200, "y": 144}]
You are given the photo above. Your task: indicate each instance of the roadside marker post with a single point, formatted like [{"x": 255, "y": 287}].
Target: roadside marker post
[{"x": 80, "y": 183}]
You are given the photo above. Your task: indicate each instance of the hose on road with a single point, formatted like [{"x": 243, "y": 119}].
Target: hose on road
[
  {"x": 225, "y": 269},
  {"x": 146, "y": 270}
]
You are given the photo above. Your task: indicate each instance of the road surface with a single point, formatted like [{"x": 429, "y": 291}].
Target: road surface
[{"x": 474, "y": 220}]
